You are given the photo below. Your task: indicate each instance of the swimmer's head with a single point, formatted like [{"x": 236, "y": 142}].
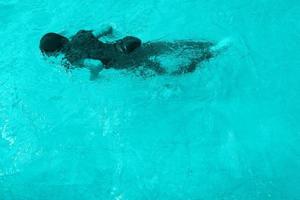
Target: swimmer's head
[{"x": 52, "y": 43}]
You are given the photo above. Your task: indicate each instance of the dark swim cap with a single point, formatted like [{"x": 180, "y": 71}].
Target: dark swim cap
[{"x": 52, "y": 43}]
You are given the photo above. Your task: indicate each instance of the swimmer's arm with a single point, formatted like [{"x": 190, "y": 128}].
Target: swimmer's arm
[
  {"x": 94, "y": 66},
  {"x": 106, "y": 32}
]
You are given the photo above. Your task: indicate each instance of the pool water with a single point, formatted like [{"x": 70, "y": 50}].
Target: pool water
[{"x": 228, "y": 131}]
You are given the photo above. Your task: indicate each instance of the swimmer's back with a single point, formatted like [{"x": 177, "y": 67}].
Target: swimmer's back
[{"x": 82, "y": 46}]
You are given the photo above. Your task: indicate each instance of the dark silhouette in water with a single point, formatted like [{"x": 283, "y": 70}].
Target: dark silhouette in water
[{"x": 127, "y": 53}]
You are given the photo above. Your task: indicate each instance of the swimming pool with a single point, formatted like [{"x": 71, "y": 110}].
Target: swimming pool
[{"x": 228, "y": 131}]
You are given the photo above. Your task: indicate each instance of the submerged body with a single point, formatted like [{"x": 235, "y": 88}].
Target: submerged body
[{"x": 128, "y": 53}]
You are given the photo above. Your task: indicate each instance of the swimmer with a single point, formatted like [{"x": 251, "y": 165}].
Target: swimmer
[{"x": 85, "y": 48}]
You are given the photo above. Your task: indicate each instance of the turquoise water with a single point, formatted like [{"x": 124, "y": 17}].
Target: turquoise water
[{"x": 228, "y": 131}]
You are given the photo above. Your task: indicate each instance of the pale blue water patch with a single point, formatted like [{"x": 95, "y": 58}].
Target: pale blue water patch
[{"x": 228, "y": 131}]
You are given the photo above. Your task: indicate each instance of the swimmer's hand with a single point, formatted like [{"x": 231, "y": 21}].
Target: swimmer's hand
[{"x": 94, "y": 66}]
